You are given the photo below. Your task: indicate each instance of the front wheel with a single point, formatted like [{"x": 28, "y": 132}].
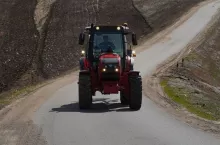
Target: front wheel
[
  {"x": 85, "y": 92},
  {"x": 135, "y": 100}
]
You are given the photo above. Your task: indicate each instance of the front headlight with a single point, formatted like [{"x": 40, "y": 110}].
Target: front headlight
[
  {"x": 82, "y": 53},
  {"x": 116, "y": 69}
]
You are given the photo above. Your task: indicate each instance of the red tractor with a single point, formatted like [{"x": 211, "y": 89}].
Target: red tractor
[{"x": 107, "y": 66}]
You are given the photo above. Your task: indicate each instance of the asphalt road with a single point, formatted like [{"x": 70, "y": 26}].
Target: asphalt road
[{"x": 108, "y": 123}]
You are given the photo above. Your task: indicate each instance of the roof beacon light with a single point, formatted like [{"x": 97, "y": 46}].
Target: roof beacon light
[{"x": 125, "y": 24}]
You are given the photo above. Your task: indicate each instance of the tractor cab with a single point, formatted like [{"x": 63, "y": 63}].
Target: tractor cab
[
  {"x": 106, "y": 65},
  {"x": 106, "y": 39}
]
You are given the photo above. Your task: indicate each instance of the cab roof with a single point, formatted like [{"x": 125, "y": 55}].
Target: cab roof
[{"x": 103, "y": 28}]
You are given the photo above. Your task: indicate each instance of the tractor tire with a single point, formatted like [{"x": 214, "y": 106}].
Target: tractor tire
[
  {"x": 85, "y": 92},
  {"x": 135, "y": 100},
  {"x": 123, "y": 99}
]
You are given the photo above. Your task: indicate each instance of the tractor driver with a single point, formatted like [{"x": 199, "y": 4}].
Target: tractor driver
[{"x": 106, "y": 45}]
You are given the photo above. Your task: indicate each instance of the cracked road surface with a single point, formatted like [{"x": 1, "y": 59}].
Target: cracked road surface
[{"x": 108, "y": 123}]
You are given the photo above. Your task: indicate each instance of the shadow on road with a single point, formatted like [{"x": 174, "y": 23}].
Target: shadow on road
[{"x": 99, "y": 106}]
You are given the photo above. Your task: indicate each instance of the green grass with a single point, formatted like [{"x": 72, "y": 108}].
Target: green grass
[
  {"x": 191, "y": 56},
  {"x": 182, "y": 97}
]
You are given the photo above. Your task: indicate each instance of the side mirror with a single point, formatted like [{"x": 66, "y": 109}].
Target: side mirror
[
  {"x": 81, "y": 38},
  {"x": 134, "y": 39}
]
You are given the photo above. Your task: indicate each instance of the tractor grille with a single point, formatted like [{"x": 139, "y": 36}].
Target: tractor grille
[
  {"x": 111, "y": 67},
  {"x": 110, "y": 76}
]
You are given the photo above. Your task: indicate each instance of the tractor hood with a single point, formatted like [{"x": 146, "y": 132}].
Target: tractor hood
[{"x": 111, "y": 58}]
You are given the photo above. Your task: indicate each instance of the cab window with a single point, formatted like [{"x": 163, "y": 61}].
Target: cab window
[{"x": 102, "y": 41}]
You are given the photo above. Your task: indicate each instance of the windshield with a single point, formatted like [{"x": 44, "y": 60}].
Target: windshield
[{"x": 103, "y": 41}]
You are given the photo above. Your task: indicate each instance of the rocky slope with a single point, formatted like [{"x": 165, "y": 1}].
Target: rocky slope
[
  {"x": 52, "y": 50},
  {"x": 18, "y": 39}
]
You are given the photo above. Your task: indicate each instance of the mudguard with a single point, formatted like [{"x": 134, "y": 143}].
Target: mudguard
[{"x": 137, "y": 73}]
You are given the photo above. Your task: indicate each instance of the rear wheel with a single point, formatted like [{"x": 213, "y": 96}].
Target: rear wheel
[
  {"x": 85, "y": 92},
  {"x": 123, "y": 99},
  {"x": 135, "y": 100}
]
